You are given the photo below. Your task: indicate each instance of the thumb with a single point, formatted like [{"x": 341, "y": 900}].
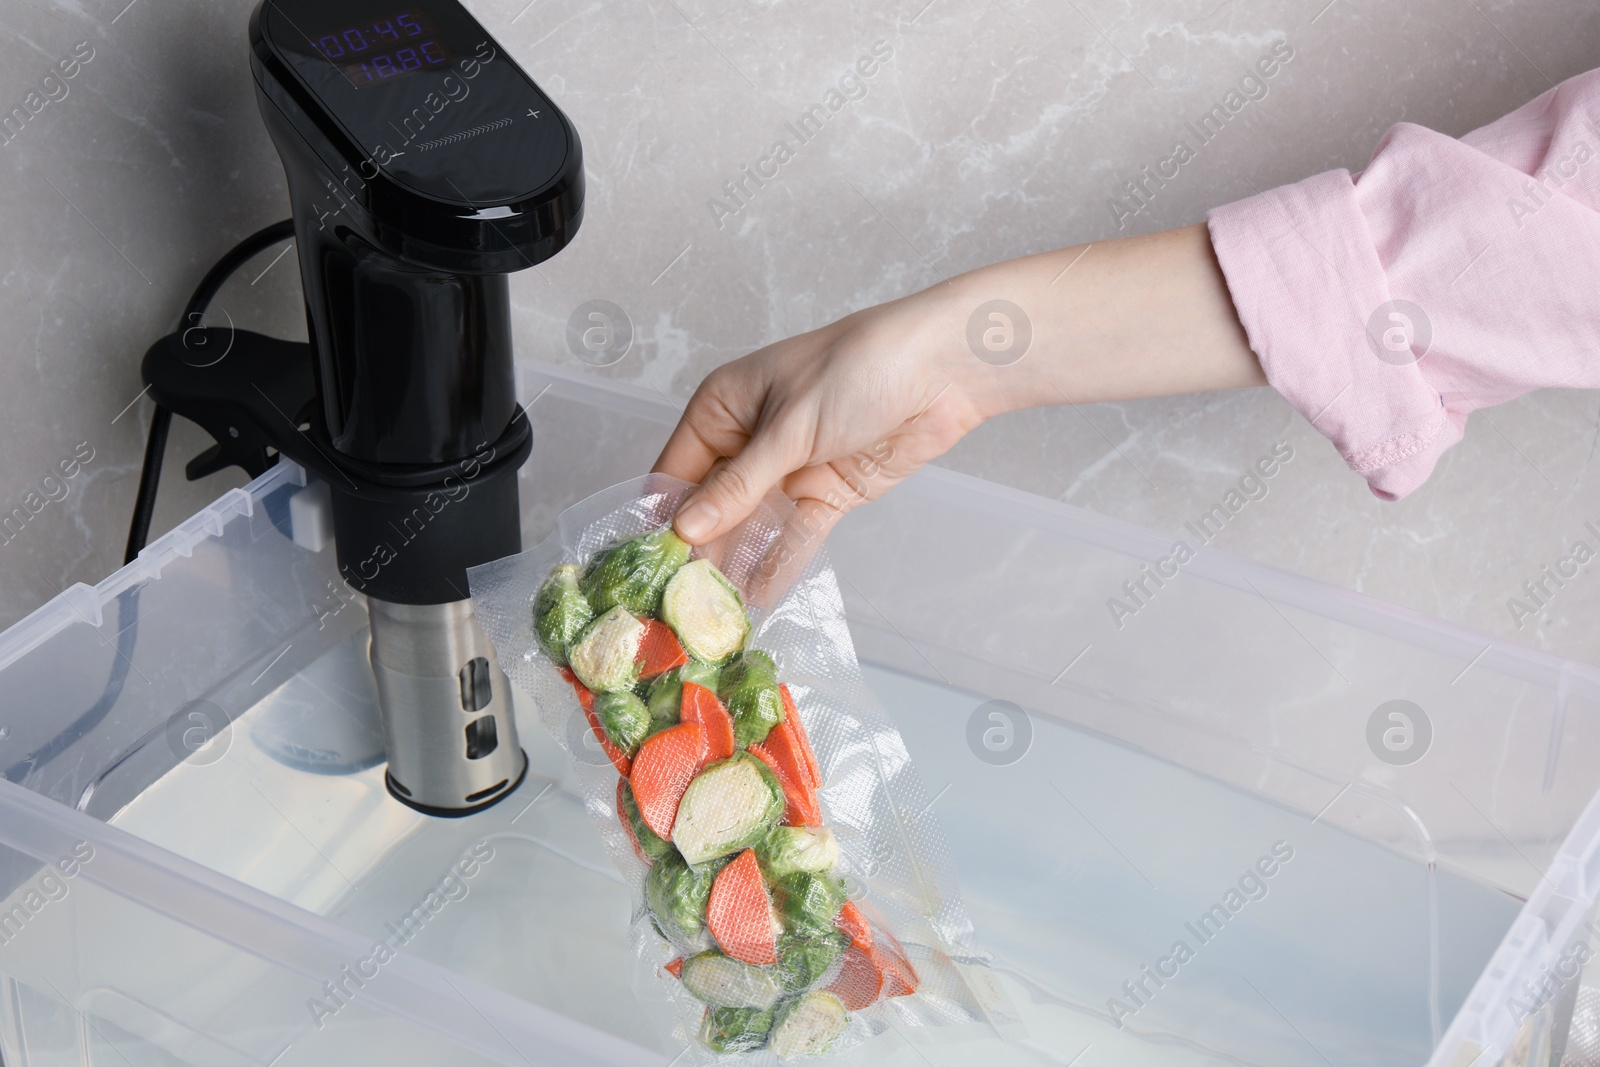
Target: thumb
[{"x": 734, "y": 487}]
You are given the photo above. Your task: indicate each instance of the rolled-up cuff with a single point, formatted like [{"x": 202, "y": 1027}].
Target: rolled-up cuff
[{"x": 1314, "y": 300}]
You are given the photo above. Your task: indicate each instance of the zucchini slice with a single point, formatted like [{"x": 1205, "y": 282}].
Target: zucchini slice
[{"x": 724, "y": 982}]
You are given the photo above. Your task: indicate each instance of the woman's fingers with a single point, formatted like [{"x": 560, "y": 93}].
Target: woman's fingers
[
  {"x": 715, "y": 425},
  {"x": 690, "y": 453},
  {"x": 734, "y": 446},
  {"x": 734, "y": 486}
]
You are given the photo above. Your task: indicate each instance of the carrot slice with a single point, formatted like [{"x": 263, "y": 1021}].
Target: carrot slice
[
  {"x": 619, "y": 759},
  {"x": 789, "y": 760},
  {"x": 659, "y": 650},
  {"x": 700, "y": 705},
  {"x": 739, "y": 912},
  {"x": 793, "y": 733},
  {"x": 867, "y": 975},
  {"x": 802, "y": 808},
  {"x": 897, "y": 982},
  {"x": 899, "y": 977},
  {"x": 860, "y": 979},
  {"x": 851, "y": 923},
  {"x": 667, "y": 762},
  {"x": 675, "y": 967},
  {"x": 585, "y": 698}
]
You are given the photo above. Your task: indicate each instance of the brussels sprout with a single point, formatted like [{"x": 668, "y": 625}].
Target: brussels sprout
[
  {"x": 751, "y": 665},
  {"x": 748, "y": 688},
  {"x": 665, "y": 698},
  {"x": 809, "y": 903},
  {"x": 634, "y": 573},
  {"x": 705, "y": 611},
  {"x": 702, "y": 674},
  {"x": 728, "y": 807},
  {"x": 650, "y": 844},
  {"x": 605, "y": 657},
  {"x": 804, "y": 961},
  {"x": 808, "y": 1025},
  {"x": 665, "y": 695},
  {"x": 677, "y": 894},
  {"x": 791, "y": 849},
  {"x": 723, "y": 982},
  {"x": 560, "y": 612},
  {"x": 625, "y": 718},
  {"x": 736, "y": 1029}
]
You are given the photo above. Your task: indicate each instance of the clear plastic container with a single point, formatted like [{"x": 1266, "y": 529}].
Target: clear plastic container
[{"x": 199, "y": 864}]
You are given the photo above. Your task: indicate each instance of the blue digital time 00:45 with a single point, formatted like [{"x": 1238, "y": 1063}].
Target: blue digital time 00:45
[{"x": 382, "y": 50}]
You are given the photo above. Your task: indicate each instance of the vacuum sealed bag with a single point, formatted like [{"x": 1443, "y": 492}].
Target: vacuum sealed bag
[{"x": 793, "y": 894}]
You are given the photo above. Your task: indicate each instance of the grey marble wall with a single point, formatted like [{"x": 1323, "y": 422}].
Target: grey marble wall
[{"x": 984, "y": 131}]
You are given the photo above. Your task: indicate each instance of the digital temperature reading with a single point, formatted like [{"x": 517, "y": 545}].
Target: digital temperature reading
[{"x": 383, "y": 50}]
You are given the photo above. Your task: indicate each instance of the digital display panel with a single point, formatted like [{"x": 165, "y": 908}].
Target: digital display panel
[
  {"x": 381, "y": 50},
  {"x": 460, "y": 123}
]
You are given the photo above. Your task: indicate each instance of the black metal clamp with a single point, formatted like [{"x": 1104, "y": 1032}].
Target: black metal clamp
[{"x": 405, "y": 534}]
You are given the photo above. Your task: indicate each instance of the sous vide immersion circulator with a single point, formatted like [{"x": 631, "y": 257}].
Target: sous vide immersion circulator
[{"x": 423, "y": 166}]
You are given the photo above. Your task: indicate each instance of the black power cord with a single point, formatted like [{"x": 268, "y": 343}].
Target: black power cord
[
  {"x": 155, "y": 449},
  {"x": 144, "y": 505}
]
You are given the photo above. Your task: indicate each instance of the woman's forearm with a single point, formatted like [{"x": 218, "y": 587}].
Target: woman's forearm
[
  {"x": 839, "y": 415},
  {"x": 1114, "y": 320}
]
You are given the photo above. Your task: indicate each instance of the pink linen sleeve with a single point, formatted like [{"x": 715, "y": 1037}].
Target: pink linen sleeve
[{"x": 1448, "y": 276}]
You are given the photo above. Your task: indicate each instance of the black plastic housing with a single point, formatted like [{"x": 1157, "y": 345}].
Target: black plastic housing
[
  {"x": 423, "y": 166},
  {"x": 412, "y": 198}
]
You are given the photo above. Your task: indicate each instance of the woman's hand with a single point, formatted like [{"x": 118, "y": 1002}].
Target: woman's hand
[
  {"x": 833, "y": 418},
  {"x": 838, "y": 416}
]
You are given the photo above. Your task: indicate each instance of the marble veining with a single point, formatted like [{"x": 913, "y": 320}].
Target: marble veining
[{"x": 996, "y": 129}]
